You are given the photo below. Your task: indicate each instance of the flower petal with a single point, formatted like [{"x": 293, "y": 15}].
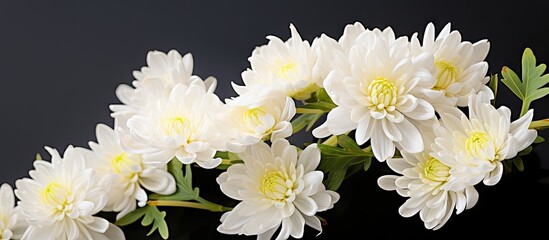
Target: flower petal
[{"x": 382, "y": 146}]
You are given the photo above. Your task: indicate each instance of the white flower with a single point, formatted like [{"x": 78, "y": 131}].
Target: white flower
[
  {"x": 168, "y": 69},
  {"x": 474, "y": 147},
  {"x": 286, "y": 67},
  {"x": 329, "y": 50},
  {"x": 185, "y": 124},
  {"x": 12, "y": 225},
  {"x": 276, "y": 187},
  {"x": 60, "y": 199},
  {"x": 421, "y": 180},
  {"x": 458, "y": 65},
  {"x": 257, "y": 116},
  {"x": 126, "y": 173},
  {"x": 376, "y": 87}
]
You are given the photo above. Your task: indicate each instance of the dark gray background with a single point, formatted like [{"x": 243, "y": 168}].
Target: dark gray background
[{"x": 60, "y": 62}]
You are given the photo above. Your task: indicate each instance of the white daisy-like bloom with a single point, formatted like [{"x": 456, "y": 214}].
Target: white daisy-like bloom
[
  {"x": 377, "y": 88},
  {"x": 258, "y": 116},
  {"x": 474, "y": 147},
  {"x": 421, "y": 179},
  {"x": 12, "y": 225},
  {"x": 61, "y": 198},
  {"x": 169, "y": 69},
  {"x": 278, "y": 188},
  {"x": 185, "y": 124},
  {"x": 126, "y": 173},
  {"x": 284, "y": 67},
  {"x": 329, "y": 50},
  {"x": 459, "y": 66}
]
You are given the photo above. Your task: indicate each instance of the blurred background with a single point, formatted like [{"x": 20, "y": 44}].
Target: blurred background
[{"x": 61, "y": 61}]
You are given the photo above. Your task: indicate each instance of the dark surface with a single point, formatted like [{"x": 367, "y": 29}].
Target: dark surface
[{"x": 60, "y": 63}]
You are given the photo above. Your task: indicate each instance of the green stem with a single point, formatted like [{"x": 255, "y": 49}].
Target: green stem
[
  {"x": 540, "y": 124},
  {"x": 308, "y": 111},
  {"x": 215, "y": 206},
  {"x": 206, "y": 205},
  {"x": 525, "y": 107}
]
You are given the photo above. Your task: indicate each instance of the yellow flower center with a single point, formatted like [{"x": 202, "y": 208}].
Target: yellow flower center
[
  {"x": 447, "y": 74},
  {"x": 253, "y": 117},
  {"x": 176, "y": 125},
  {"x": 275, "y": 186},
  {"x": 121, "y": 164},
  {"x": 436, "y": 171},
  {"x": 56, "y": 195},
  {"x": 383, "y": 94},
  {"x": 285, "y": 70},
  {"x": 476, "y": 143}
]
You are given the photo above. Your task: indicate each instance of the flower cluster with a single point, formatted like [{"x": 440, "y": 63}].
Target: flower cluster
[{"x": 424, "y": 107}]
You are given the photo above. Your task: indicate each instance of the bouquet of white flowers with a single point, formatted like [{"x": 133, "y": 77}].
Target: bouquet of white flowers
[{"x": 423, "y": 106}]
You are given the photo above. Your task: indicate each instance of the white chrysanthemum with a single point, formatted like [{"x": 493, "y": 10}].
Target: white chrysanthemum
[
  {"x": 421, "y": 180},
  {"x": 329, "y": 50},
  {"x": 12, "y": 225},
  {"x": 168, "y": 69},
  {"x": 184, "y": 125},
  {"x": 126, "y": 173},
  {"x": 61, "y": 198},
  {"x": 474, "y": 147},
  {"x": 458, "y": 65},
  {"x": 376, "y": 87},
  {"x": 277, "y": 186},
  {"x": 254, "y": 117},
  {"x": 285, "y": 67}
]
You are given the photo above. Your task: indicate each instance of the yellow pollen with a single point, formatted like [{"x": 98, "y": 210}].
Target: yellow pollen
[
  {"x": 285, "y": 70},
  {"x": 436, "y": 171},
  {"x": 447, "y": 74},
  {"x": 476, "y": 143},
  {"x": 176, "y": 125},
  {"x": 383, "y": 94},
  {"x": 273, "y": 186}
]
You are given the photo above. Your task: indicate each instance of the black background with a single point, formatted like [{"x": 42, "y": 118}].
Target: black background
[{"x": 60, "y": 62}]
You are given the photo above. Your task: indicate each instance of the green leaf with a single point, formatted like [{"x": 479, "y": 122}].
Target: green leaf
[
  {"x": 526, "y": 151},
  {"x": 529, "y": 88},
  {"x": 494, "y": 79},
  {"x": 507, "y": 166},
  {"x": 367, "y": 164},
  {"x": 184, "y": 183},
  {"x": 542, "y": 92},
  {"x": 233, "y": 156},
  {"x": 313, "y": 121},
  {"x": 518, "y": 163},
  {"x": 539, "y": 139},
  {"x": 512, "y": 81},
  {"x": 348, "y": 144},
  {"x": 335, "y": 179},
  {"x": 301, "y": 122},
  {"x": 151, "y": 215},
  {"x": 222, "y": 155},
  {"x": 323, "y": 96},
  {"x": 305, "y": 121},
  {"x": 131, "y": 217},
  {"x": 336, "y": 152},
  {"x": 317, "y": 107},
  {"x": 339, "y": 163}
]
